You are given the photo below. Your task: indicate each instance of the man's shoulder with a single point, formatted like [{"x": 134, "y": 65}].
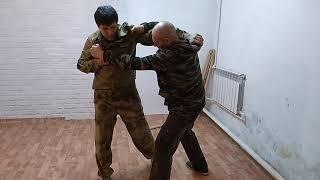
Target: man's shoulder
[
  {"x": 124, "y": 30},
  {"x": 94, "y": 36},
  {"x": 165, "y": 54},
  {"x": 184, "y": 47}
]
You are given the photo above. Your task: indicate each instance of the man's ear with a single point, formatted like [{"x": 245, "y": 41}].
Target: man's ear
[
  {"x": 167, "y": 40},
  {"x": 98, "y": 26}
]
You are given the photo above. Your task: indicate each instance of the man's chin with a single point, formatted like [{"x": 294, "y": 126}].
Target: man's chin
[{"x": 110, "y": 38}]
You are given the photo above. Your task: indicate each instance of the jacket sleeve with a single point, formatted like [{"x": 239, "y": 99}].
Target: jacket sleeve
[
  {"x": 189, "y": 37},
  {"x": 146, "y": 38},
  {"x": 86, "y": 63},
  {"x": 152, "y": 62}
]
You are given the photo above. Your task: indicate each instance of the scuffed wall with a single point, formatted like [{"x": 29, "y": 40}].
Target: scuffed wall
[{"x": 275, "y": 43}]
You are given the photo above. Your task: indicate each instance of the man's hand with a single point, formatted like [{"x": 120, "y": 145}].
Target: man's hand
[
  {"x": 138, "y": 29},
  {"x": 197, "y": 40},
  {"x": 100, "y": 62},
  {"x": 97, "y": 52}
]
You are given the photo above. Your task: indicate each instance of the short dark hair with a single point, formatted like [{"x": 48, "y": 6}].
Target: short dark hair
[{"x": 105, "y": 15}]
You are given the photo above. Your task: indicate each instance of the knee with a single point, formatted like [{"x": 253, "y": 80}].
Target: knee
[
  {"x": 164, "y": 144},
  {"x": 189, "y": 133}
]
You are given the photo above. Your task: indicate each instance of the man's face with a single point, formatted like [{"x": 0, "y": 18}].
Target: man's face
[
  {"x": 109, "y": 32},
  {"x": 159, "y": 42}
]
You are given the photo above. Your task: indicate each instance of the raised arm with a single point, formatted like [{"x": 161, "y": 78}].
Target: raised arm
[
  {"x": 145, "y": 38},
  {"x": 195, "y": 39},
  {"x": 86, "y": 63},
  {"x": 151, "y": 62}
]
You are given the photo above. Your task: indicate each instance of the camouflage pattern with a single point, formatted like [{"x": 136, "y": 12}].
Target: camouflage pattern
[
  {"x": 108, "y": 77},
  {"x": 178, "y": 72},
  {"x": 180, "y": 81},
  {"x": 126, "y": 103},
  {"x": 115, "y": 93}
]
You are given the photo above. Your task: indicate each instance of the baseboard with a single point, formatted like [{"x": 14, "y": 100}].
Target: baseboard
[{"x": 246, "y": 148}]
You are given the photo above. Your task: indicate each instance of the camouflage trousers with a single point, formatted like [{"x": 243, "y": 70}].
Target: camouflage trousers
[
  {"x": 126, "y": 103},
  {"x": 177, "y": 128}
]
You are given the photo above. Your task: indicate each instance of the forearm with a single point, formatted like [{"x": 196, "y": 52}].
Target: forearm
[
  {"x": 194, "y": 39},
  {"x": 86, "y": 63},
  {"x": 149, "y": 26},
  {"x": 88, "y": 66},
  {"x": 123, "y": 62},
  {"x": 146, "y": 38},
  {"x": 129, "y": 62}
]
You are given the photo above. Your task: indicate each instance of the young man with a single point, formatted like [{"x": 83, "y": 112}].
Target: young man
[
  {"x": 115, "y": 91},
  {"x": 179, "y": 77}
]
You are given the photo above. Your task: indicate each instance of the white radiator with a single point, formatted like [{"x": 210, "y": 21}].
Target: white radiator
[{"x": 228, "y": 90}]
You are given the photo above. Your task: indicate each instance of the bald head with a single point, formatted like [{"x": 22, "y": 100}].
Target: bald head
[{"x": 164, "y": 34}]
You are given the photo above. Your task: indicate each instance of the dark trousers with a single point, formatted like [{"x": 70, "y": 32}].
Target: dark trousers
[{"x": 176, "y": 129}]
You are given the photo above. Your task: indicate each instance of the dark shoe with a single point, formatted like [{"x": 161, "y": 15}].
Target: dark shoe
[
  {"x": 202, "y": 172},
  {"x": 100, "y": 177},
  {"x": 104, "y": 178}
]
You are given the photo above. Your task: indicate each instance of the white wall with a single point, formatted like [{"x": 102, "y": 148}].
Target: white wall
[
  {"x": 191, "y": 16},
  {"x": 40, "y": 42},
  {"x": 276, "y": 44}
]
